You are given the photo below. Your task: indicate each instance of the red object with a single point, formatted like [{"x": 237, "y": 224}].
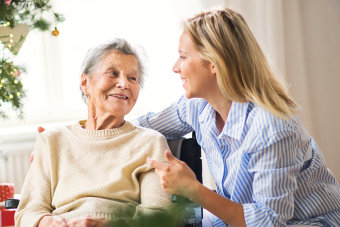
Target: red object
[
  {"x": 7, "y": 2},
  {"x": 6, "y": 191},
  {"x": 7, "y": 217}
]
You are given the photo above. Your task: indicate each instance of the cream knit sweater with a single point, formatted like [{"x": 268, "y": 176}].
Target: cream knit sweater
[{"x": 103, "y": 173}]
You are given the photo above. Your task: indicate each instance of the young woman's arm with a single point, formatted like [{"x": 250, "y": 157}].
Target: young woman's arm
[
  {"x": 177, "y": 178},
  {"x": 171, "y": 121}
]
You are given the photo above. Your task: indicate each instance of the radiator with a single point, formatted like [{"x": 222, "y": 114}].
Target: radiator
[{"x": 15, "y": 150}]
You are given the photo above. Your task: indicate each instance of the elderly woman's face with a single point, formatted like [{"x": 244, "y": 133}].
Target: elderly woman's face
[{"x": 113, "y": 88}]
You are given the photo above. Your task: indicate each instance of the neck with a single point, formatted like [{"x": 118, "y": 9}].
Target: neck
[
  {"x": 222, "y": 106},
  {"x": 97, "y": 120}
]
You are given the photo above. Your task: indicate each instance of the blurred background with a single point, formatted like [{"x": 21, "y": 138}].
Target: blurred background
[{"x": 301, "y": 39}]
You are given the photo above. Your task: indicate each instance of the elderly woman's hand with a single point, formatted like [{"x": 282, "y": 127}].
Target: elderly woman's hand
[
  {"x": 52, "y": 221},
  {"x": 89, "y": 221},
  {"x": 176, "y": 176}
]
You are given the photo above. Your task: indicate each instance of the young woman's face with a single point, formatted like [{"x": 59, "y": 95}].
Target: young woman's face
[
  {"x": 113, "y": 88},
  {"x": 195, "y": 72}
]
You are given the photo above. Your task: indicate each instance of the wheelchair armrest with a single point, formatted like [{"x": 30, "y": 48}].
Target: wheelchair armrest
[
  {"x": 11, "y": 203},
  {"x": 189, "y": 151}
]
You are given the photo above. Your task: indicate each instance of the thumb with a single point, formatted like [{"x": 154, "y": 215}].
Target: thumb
[{"x": 169, "y": 157}]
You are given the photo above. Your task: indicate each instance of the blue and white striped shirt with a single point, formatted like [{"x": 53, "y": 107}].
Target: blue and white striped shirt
[{"x": 269, "y": 165}]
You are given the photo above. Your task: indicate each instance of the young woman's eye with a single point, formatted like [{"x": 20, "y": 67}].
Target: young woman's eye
[{"x": 182, "y": 57}]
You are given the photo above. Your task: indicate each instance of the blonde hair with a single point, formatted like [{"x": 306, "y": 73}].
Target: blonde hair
[{"x": 243, "y": 73}]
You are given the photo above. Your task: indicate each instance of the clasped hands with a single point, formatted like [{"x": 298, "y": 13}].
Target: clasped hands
[{"x": 176, "y": 176}]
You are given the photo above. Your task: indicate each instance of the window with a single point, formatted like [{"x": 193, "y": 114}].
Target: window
[{"x": 53, "y": 63}]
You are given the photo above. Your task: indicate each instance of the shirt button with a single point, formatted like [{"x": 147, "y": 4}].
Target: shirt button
[{"x": 222, "y": 147}]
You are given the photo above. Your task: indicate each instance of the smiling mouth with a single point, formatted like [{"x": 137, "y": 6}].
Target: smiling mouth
[{"x": 119, "y": 96}]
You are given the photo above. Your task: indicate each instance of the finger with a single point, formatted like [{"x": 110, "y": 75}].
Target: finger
[
  {"x": 170, "y": 158},
  {"x": 73, "y": 222},
  {"x": 40, "y": 129},
  {"x": 60, "y": 221},
  {"x": 86, "y": 221},
  {"x": 157, "y": 165}
]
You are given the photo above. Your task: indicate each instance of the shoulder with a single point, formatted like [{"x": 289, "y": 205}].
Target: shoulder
[
  {"x": 193, "y": 109},
  {"x": 197, "y": 103},
  {"x": 46, "y": 142},
  {"x": 52, "y": 134},
  {"x": 148, "y": 133},
  {"x": 266, "y": 125},
  {"x": 150, "y": 143},
  {"x": 190, "y": 104}
]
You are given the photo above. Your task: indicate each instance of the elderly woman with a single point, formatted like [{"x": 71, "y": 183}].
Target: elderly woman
[{"x": 94, "y": 172}]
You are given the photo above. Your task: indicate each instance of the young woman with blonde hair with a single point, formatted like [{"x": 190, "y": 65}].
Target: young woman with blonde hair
[{"x": 268, "y": 171}]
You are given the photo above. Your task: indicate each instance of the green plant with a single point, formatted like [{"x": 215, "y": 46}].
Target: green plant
[{"x": 36, "y": 14}]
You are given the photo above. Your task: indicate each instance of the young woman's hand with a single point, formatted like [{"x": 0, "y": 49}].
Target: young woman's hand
[
  {"x": 40, "y": 130},
  {"x": 89, "y": 221},
  {"x": 176, "y": 176},
  {"x": 52, "y": 221}
]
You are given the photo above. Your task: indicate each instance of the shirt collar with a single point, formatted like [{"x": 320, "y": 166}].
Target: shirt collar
[
  {"x": 207, "y": 114},
  {"x": 236, "y": 120}
]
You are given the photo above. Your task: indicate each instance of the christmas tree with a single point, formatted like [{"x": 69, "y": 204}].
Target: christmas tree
[{"x": 17, "y": 17}]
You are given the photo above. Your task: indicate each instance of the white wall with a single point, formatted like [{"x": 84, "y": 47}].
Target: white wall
[{"x": 301, "y": 39}]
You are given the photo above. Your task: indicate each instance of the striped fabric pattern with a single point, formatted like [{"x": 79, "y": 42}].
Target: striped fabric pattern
[{"x": 270, "y": 165}]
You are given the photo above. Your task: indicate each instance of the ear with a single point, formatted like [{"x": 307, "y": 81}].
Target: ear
[
  {"x": 84, "y": 83},
  {"x": 212, "y": 69}
]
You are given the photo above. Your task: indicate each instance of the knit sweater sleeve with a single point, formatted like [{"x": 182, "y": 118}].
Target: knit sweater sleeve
[
  {"x": 36, "y": 193},
  {"x": 154, "y": 201}
]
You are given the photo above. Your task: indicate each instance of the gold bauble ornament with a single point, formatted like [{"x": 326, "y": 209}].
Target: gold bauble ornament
[
  {"x": 55, "y": 32},
  {"x": 14, "y": 73}
]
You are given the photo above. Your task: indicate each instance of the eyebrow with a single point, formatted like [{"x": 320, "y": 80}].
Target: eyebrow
[
  {"x": 182, "y": 52},
  {"x": 114, "y": 68},
  {"x": 111, "y": 68},
  {"x": 134, "y": 72}
]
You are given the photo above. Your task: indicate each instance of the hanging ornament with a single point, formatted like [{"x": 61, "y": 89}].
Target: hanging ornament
[
  {"x": 55, "y": 32},
  {"x": 15, "y": 72},
  {"x": 18, "y": 73}
]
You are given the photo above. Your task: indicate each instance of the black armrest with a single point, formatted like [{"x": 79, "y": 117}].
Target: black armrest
[
  {"x": 11, "y": 203},
  {"x": 188, "y": 151}
]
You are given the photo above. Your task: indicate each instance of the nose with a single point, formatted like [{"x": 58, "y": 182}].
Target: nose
[
  {"x": 176, "y": 68},
  {"x": 122, "y": 82}
]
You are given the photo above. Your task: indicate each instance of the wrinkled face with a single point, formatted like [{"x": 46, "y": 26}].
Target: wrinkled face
[
  {"x": 113, "y": 88},
  {"x": 195, "y": 72}
]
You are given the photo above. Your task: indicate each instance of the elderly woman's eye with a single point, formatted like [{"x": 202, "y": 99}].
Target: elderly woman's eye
[
  {"x": 133, "y": 78},
  {"x": 114, "y": 73}
]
